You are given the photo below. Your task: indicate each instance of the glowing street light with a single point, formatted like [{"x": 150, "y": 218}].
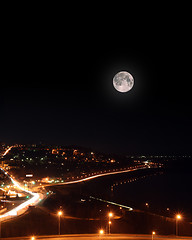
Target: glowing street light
[
  {"x": 101, "y": 232},
  {"x": 109, "y": 222},
  {"x": 153, "y": 233},
  {"x": 178, "y": 217},
  {"x": 32, "y": 238},
  {"x": 109, "y": 226},
  {"x": 110, "y": 214},
  {"x": 59, "y": 214}
]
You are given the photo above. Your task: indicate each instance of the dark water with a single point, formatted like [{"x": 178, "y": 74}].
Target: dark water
[
  {"x": 170, "y": 193},
  {"x": 165, "y": 193}
]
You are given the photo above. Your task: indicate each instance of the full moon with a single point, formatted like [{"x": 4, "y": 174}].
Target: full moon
[{"x": 123, "y": 81}]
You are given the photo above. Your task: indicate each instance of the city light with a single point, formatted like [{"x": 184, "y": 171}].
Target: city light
[
  {"x": 60, "y": 213},
  {"x": 153, "y": 234},
  {"x": 178, "y": 216},
  {"x": 110, "y": 214},
  {"x": 33, "y": 200},
  {"x": 7, "y": 151},
  {"x": 101, "y": 231},
  {"x": 109, "y": 222},
  {"x": 59, "y": 227}
]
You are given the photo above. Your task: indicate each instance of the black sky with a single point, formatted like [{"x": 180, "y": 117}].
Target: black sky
[{"x": 57, "y": 83}]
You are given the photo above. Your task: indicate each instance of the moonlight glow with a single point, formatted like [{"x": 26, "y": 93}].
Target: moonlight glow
[{"x": 123, "y": 82}]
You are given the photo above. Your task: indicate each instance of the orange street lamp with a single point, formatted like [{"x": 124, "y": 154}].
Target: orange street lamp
[
  {"x": 110, "y": 214},
  {"x": 109, "y": 226},
  {"x": 59, "y": 214},
  {"x": 153, "y": 233},
  {"x": 178, "y": 217},
  {"x": 109, "y": 222},
  {"x": 32, "y": 238},
  {"x": 101, "y": 232}
]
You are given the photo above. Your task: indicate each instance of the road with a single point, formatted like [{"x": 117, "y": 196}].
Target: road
[
  {"x": 97, "y": 176},
  {"x": 100, "y": 237},
  {"x": 23, "y": 206}
]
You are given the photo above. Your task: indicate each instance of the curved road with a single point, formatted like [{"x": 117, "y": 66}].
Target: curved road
[
  {"x": 97, "y": 176},
  {"x": 23, "y": 206}
]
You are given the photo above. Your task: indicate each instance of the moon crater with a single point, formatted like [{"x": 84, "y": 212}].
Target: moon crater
[{"x": 123, "y": 81}]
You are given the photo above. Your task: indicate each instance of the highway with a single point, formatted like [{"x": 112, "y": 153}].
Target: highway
[
  {"x": 100, "y": 237},
  {"x": 98, "y": 175},
  {"x": 23, "y": 206}
]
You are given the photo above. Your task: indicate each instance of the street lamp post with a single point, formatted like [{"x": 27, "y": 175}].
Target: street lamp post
[
  {"x": 109, "y": 222},
  {"x": 101, "y": 232},
  {"x": 178, "y": 217},
  {"x": 153, "y": 233},
  {"x": 109, "y": 227},
  {"x": 59, "y": 214}
]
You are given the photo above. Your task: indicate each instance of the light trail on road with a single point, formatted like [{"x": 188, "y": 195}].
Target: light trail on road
[
  {"x": 7, "y": 151},
  {"x": 23, "y": 206},
  {"x": 32, "y": 201},
  {"x": 112, "y": 203},
  {"x": 96, "y": 176}
]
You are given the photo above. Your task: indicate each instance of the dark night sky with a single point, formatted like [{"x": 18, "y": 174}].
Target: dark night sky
[{"x": 57, "y": 84}]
